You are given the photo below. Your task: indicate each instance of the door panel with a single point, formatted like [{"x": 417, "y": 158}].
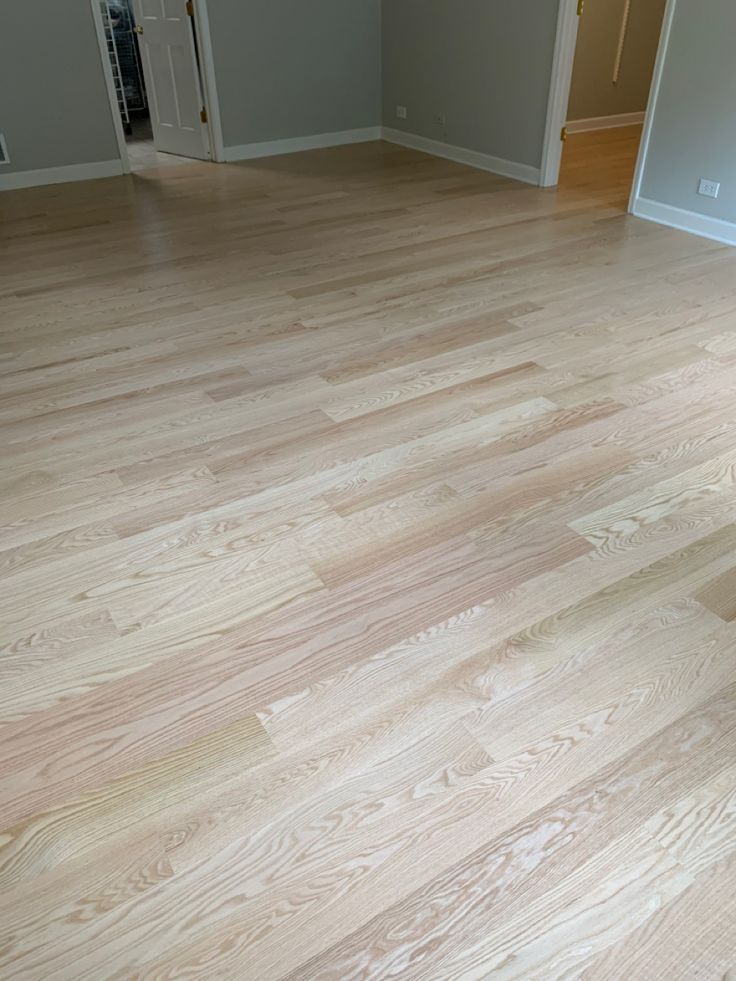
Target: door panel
[
  {"x": 172, "y": 78},
  {"x": 188, "y": 104}
]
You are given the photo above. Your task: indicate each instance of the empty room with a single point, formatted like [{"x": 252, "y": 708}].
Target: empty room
[{"x": 368, "y": 490}]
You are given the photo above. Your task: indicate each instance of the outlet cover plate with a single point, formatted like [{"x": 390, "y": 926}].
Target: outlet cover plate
[{"x": 709, "y": 189}]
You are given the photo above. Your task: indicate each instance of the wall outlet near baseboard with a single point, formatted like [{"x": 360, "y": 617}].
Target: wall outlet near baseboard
[
  {"x": 401, "y": 112},
  {"x": 439, "y": 118},
  {"x": 709, "y": 189}
]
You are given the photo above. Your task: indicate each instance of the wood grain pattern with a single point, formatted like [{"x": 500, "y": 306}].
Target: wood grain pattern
[
  {"x": 367, "y": 572},
  {"x": 720, "y": 595}
]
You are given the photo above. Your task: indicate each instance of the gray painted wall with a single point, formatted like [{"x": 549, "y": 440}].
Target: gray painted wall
[
  {"x": 694, "y": 125},
  {"x": 290, "y": 68},
  {"x": 54, "y": 109},
  {"x": 593, "y": 92},
  {"x": 484, "y": 64}
]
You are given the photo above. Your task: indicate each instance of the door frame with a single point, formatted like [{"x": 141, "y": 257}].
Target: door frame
[
  {"x": 208, "y": 82},
  {"x": 566, "y": 41},
  {"x": 568, "y": 23},
  {"x": 646, "y": 136},
  {"x": 208, "y": 79},
  {"x": 110, "y": 86}
]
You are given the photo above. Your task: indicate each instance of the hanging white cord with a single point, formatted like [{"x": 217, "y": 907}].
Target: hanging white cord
[{"x": 622, "y": 41}]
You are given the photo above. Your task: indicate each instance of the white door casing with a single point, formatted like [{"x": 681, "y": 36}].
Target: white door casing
[{"x": 172, "y": 78}]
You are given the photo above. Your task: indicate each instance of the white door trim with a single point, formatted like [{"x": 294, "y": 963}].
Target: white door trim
[
  {"x": 209, "y": 81},
  {"x": 664, "y": 41},
  {"x": 559, "y": 91},
  {"x": 110, "y": 86}
]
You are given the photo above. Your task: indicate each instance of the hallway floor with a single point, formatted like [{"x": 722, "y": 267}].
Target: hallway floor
[
  {"x": 143, "y": 154},
  {"x": 600, "y": 164}
]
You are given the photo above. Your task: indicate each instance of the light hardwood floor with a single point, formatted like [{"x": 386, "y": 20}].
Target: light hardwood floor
[{"x": 368, "y": 576}]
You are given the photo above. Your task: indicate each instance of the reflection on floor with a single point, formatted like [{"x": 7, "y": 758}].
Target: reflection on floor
[{"x": 143, "y": 155}]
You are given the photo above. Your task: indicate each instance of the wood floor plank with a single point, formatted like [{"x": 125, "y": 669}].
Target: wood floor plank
[
  {"x": 695, "y": 932},
  {"x": 495, "y": 878},
  {"x": 699, "y": 829},
  {"x": 367, "y": 575},
  {"x": 602, "y": 901},
  {"x": 43, "y": 842},
  {"x": 720, "y": 595}
]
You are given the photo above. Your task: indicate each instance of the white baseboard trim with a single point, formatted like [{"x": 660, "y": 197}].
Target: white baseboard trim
[
  {"x": 481, "y": 161},
  {"x": 686, "y": 221},
  {"x": 254, "y": 151},
  {"x": 61, "y": 175},
  {"x": 605, "y": 122}
]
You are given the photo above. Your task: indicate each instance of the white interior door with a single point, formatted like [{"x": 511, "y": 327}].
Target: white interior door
[{"x": 172, "y": 78}]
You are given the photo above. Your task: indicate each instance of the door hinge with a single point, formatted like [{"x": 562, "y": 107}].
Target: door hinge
[
  {"x": 203, "y": 114},
  {"x": 563, "y": 133},
  {"x": 190, "y": 8},
  {"x": 581, "y": 7}
]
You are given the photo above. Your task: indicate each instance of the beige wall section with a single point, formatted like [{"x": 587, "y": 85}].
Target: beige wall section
[{"x": 593, "y": 93}]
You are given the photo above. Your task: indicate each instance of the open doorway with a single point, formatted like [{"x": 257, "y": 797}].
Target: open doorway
[
  {"x": 155, "y": 60},
  {"x": 605, "y": 62}
]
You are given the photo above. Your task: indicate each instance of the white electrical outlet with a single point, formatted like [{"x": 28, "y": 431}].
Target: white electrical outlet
[
  {"x": 709, "y": 189},
  {"x": 401, "y": 112},
  {"x": 440, "y": 118}
]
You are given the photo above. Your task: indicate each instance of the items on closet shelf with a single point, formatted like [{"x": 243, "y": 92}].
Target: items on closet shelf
[{"x": 122, "y": 47}]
